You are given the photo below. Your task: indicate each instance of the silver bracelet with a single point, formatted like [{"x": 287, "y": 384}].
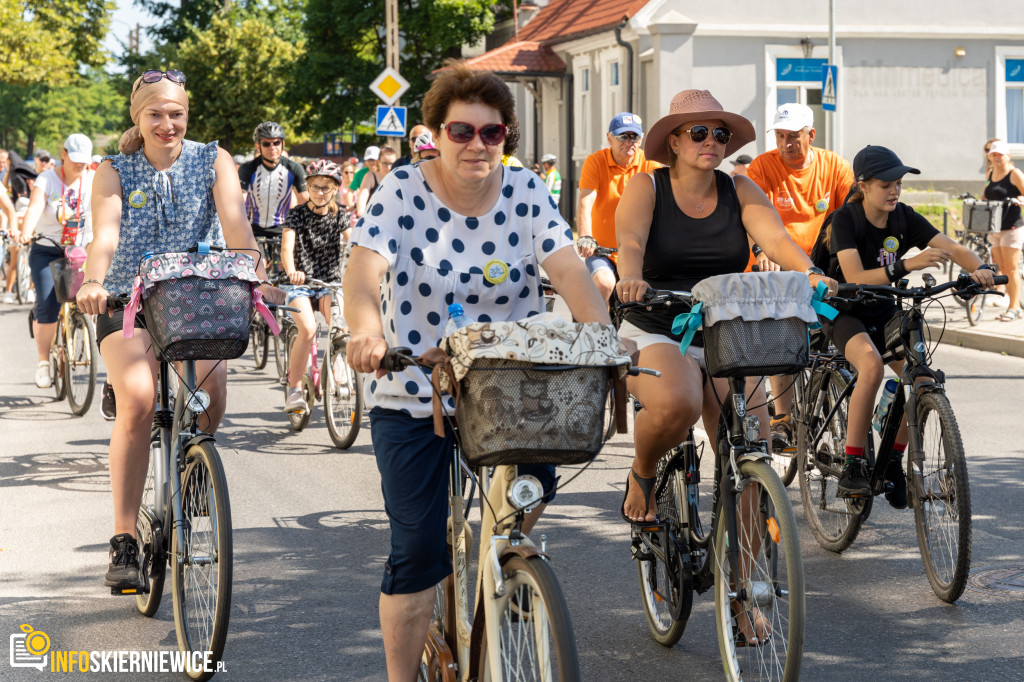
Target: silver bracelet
[{"x": 92, "y": 281}]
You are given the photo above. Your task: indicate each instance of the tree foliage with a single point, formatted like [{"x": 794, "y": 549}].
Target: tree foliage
[
  {"x": 47, "y": 41},
  {"x": 238, "y": 71},
  {"x": 180, "y": 18},
  {"x": 345, "y": 51}
]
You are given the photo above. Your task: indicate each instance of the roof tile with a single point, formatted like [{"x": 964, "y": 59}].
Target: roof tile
[
  {"x": 520, "y": 56},
  {"x": 563, "y": 19}
]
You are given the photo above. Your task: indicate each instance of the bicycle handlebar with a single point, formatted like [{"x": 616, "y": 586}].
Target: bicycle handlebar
[
  {"x": 397, "y": 359},
  {"x": 662, "y": 297},
  {"x": 962, "y": 284}
]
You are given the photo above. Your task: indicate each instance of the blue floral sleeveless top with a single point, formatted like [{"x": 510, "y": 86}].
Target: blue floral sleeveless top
[{"x": 163, "y": 210}]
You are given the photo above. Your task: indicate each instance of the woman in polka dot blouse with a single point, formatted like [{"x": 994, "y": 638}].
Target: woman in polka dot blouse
[{"x": 464, "y": 229}]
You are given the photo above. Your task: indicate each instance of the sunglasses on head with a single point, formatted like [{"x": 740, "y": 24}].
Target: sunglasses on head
[
  {"x": 154, "y": 76},
  {"x": 721, "y": 134},
  {"x": 271, "y": 143},
  {"x": 460, "y": 132},
  {"x": 627, "y": 137}
]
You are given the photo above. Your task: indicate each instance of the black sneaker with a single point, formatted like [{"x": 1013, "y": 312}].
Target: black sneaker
[
  {"x": 124, "y": 562},
  {"x": 854, "y": 481},
  {"x": 107, "y": 406},
  {"x": 897, "y": 497},
  {"x": 782, "y": 433}
]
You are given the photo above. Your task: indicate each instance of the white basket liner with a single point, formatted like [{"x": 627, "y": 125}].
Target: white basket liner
[
  {"x": 544, "y": 339},
  {"x": 753, "y": 296}
]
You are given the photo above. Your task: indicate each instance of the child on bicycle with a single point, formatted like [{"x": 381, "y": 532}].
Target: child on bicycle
[
  {"x": 311, "y": 248},
  {"x": 868, "y": 239}
]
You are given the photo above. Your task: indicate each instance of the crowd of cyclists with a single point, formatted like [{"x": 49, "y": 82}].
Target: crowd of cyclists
[{"x": 459, "y": 220}]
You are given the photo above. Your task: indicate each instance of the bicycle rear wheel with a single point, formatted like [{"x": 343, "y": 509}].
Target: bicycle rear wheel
[
  {"x": 23, "y": 280},
  {"x": 81, "y": 363},
  {"x": 201, "y": 580},
  {"x": 834, "y": 521},
  {"x": 769, "y": 590},
  {"x": 943, "y": 513},
  {"x": 343, "y": 395},
  {"x": 534, "y": 629},
  {"x": 260, "y": 342}
]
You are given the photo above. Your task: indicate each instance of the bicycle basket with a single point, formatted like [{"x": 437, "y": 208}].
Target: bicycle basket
[
  {"x": 983, "y": 216},
  {"x": 198, "y": 306},
  {"x": 534, "y": 391},
  {"x": 756, "y": 324},
  {"x": 67, "y": 279}
]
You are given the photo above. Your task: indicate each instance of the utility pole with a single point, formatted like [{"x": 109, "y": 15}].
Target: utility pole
[
  {"x": 391, "y": 44},
  {"x": 832, "y": 60},
  {"x": 133, "y": 39}
]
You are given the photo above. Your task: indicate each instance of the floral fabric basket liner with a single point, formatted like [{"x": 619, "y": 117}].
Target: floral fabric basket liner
[{"x": 203, "y": 263}]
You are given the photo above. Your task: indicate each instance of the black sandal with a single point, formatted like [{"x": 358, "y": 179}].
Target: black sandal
[{"x": 647, "y": 486}]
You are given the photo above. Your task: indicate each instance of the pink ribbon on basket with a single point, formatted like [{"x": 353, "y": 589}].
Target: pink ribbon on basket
[
  {"x": 257, "y": 301},
  {"x": 132, "y": 309}
]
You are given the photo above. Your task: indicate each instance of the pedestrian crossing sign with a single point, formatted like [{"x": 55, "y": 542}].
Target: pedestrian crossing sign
[
  {"x": 391, "y": 121},
  {"x": 829, "y": 72}
]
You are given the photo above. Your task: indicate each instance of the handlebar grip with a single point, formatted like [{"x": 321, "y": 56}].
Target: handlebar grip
[
  {"x": 116, "y": 302},
  {"x": 846, "y": 289},
  {"x": 1001, "y": 279},
  {"x": 398, "y": 358}
]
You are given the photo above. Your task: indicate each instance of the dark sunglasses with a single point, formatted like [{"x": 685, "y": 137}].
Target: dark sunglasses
[
  {"x": 154, "y": 76},
  {"x": 271, "y": 143},
  {"x": 627, "y": 137},
  {"x": 460, "y": 132},
  {"x": 721, "y": 134}
]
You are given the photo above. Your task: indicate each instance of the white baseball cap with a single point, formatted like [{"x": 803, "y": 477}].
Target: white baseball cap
[
  {"x": 999, "y": 147},
  {"x": 372, "y": 153},
  {"x": 793, "y": 116},
  {"x": 79, "y": 148}
]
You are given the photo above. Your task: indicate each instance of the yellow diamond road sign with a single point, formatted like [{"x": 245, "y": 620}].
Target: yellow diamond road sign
[{"x": 389, "y": 85}]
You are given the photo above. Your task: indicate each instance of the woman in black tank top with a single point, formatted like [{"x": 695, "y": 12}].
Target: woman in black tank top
[
  {"x": 1006, "y": 244},
  {"x": 676, "y": 227}
]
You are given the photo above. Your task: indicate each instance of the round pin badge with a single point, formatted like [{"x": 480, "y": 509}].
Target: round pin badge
[
  {"x": 137, "y": 199},
  {"x": 891, "y": 244},
  {"x": 496, "y": 271},
  {"x": 821, "y": 206}
]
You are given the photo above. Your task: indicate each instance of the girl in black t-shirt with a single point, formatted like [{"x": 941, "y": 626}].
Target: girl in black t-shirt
[
  {"x": 311, "y": 248},
  {"x": 868, "y": 239}
]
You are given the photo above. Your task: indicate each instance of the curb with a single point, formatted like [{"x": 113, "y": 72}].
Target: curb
[{"x": 979, "y": 340}]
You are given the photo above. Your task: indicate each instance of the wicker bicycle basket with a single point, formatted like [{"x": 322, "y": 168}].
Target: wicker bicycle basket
[
  {"x": 523, "y": 413},
  {"x": 67, "y": 280},
  {"x": 192, "y": 318}
]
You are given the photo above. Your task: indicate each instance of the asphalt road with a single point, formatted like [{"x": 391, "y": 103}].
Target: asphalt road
[{"x": 310, "y": 538}]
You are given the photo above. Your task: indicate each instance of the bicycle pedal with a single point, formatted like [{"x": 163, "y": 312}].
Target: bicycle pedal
[
  {"x": 128, "y": 591},
  {"x": 638, "y": 551}
]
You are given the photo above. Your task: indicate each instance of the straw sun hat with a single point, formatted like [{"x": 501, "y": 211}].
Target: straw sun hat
[{"x": 694, "y": 105}]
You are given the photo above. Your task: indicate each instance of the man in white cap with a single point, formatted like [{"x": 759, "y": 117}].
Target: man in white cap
[
  {"x": 552, "y": 178},
  {"x": 805, "y": 184}
]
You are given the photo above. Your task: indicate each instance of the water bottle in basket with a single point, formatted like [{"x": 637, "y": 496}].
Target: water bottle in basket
[{"x": 457, "y": 318}]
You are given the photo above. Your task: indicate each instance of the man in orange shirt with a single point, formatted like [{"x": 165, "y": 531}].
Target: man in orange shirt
[
  {"x": 602, "y": 180},
  {"x": 805, "y": 184}
]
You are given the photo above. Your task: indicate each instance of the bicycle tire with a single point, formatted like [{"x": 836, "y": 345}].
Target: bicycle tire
[
  {"x": 343, "y": 400},
  {"x": 260, "y": 342},
  {"x": 59, "y": 362},
  {"x": 975, "y": 308},
  {"x": 298, "y": 420},
  {"x": 666, "y": 587},
  {"x": 785, "y": 465},
  {"x": 81, "y": 364},
  {"x": 23, "y": 279},
  {"x": 943, "y": 524},
  {"x": 834, "y": 521},
  {"x": 148, "y": 604},
  {"x": 281, "y": 354},
  {"x": 438, "y": 661},
  {"x": 203, "y": 576},
  {"x": 532, "y": 577},
  {"x": 780, "y": 657}
]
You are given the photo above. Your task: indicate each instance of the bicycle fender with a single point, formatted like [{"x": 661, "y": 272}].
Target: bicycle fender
[{"x": 197, "y": 439}]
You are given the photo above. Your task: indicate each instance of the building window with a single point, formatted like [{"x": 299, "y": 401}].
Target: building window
[
  {"x": 791, "y": 78},
  {"x": 614, "y": 73},
  {"x": 1014, "y": 76}
]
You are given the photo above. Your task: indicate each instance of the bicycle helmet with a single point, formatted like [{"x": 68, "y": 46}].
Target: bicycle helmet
[
  {"x": 268, "y": 130},
  {"x": 326, "y": 168}
]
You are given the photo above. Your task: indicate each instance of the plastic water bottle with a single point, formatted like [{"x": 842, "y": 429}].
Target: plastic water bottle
[
  {"x": 884, "y": 403},
  {"x": 457, "y": 318}
]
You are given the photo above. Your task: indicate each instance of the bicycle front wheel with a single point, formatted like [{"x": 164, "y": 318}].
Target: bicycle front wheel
[
  {"x": 343, "y": 395},
  {"x": 942, "y": 503},
  {"x": 81, "y": 363},
  {"x": 534, "y": 630},
  {"x": 59, "y": 363},
  {"x": 201, "y": 576},
  {"x": 762, "y": 594},
  {"x": 23, "y": 279},
  {"x": 281, "y": 354}
]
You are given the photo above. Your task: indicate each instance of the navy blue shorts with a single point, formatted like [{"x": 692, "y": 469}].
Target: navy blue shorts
[
  {"x": 39, "y": 259},
  {"x": 413, "y": 465}
]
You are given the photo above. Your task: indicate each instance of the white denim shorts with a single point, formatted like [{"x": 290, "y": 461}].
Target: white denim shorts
[{"x": 1013, "y": 239}]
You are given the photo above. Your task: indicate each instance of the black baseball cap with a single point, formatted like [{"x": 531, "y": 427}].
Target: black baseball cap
[{"x": 879, "y": 162}]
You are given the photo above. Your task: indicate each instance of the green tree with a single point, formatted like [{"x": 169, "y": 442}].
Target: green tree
[
  {"x": 238, "y": 73},
  {"x": 47, "y": 41},
  {"x": 181, "y": 17},
  {"x": 345, "y": 48}
]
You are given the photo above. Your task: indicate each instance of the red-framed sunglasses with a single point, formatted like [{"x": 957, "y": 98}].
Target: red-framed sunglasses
[{"x": 462, "y": 132}]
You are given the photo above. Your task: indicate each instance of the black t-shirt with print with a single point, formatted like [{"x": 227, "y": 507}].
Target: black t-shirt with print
[
  {"x": 317, "y": 242},
  {"x": 877, "y": 247}
]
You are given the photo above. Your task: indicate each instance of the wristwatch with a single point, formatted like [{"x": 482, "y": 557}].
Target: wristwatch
[{"x": 814, "y": 271}]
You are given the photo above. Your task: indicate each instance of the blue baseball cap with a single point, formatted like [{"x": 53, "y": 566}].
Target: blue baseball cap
[{"x": 626, "y": 123}]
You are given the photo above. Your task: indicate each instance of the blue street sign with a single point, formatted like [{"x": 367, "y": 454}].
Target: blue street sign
[
  {"x": 391, "y": 121},
  {"x": 829, "y": 76},
  {"x": 787, "y": 69}
]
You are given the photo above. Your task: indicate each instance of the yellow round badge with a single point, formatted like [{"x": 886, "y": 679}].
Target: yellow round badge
[
  {"x": 496, "y": 271},
  {"x": 891, "y": 244},
  {"x": 821, "y": 205},
  {"x": 137, "y": 199}
]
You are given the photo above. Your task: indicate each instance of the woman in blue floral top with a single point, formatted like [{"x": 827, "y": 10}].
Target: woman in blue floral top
[
  {"x": 161, "y": 193},
  {"x": 460, "y": 228}
]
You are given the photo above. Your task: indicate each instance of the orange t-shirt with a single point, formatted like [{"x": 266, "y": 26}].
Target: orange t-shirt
[
  {"x": 804, "y": 197},
  {"x": 608, "y": 179}
]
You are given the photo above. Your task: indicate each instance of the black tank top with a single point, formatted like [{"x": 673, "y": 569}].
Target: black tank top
[
  {"x": 682, "y": 251},
  {"x": 1005, "y": 189}
]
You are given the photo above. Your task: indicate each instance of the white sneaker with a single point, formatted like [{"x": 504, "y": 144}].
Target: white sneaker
[
  {"x": 30, "y": 297},
  {"x": 9, "y": 297},
  {"x": 295, "y": 403},
  {"x": 43, "y": 379}
]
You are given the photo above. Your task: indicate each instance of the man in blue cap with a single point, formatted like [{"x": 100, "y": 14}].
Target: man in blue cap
[{"x": 602, "y": 180}]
